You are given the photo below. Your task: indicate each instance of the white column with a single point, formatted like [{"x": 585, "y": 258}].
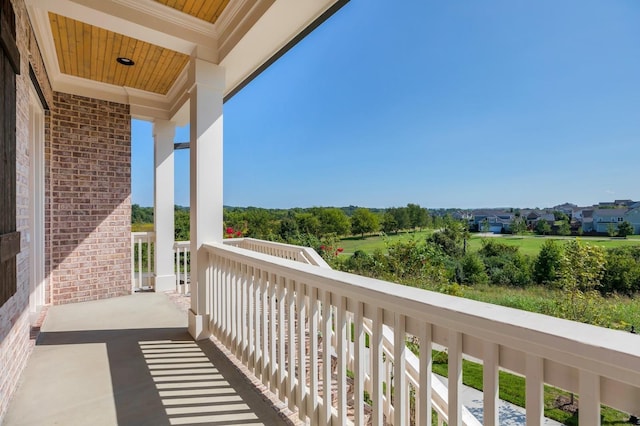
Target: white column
[
  {"x": 205, "y": 182},
  {"x": 163, "y": 135}
]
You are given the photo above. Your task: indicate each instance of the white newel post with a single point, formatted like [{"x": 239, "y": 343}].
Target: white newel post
[
  {"x": 163, "y": 135},
  {"x": 206, "y": 182}
]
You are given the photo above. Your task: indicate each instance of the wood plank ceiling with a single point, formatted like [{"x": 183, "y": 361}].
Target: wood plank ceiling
[
  {"x": 206, "y": 10},
  {"x": 90, "y": 52}
]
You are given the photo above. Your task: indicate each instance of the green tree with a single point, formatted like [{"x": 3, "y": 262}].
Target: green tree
[
  {"x": 141, "y": 214},
  {"x": 308, "y": 223},
  {"x": 546, "y": 268},
  {"x": 625, "y": 229},
  {"x": 622, "y": 272},
  {"x": 582, "y": 266},
  {"x": 484, "y": 225},
  {"x": 473, "y": 269},
  {"x": 333, "y": 221},
  {"x": 401, "y": 216},
  {"x": 418, "y": 217},
  {"x": 558, "y": 216},
  {"x": 181, "y": 227},
  {"x": 611, "y": 230},
  {"x": 581, "y": 271},
  {"x": 363, "y": 222},
  {"x": 389, "y": 223},
  {"x": 518, "y": 226},
  {"x": 543, "y": 227},
  {"x": 564, "y": 228}
]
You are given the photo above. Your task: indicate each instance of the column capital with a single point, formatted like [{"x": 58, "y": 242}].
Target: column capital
[
  {"x": 207, "y": 74},
  {"x": 161, "y": 126}
]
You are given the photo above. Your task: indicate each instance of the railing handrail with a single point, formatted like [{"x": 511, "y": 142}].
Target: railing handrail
[
  {"x": 303, "y": 254},
  {"x": 610, "y": 354},
  {"x": 143, "y": 234}
]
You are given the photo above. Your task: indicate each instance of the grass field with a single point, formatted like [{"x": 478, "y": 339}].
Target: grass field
[{"x": 528, "y": 244}]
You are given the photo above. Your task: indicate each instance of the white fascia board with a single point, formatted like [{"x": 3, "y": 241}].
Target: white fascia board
[{"x": 281, "y": 23}]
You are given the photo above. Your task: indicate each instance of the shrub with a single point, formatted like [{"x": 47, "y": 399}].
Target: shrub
[{"x": 546, "y": 268}]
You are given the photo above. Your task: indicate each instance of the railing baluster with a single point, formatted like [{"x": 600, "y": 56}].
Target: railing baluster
[
  {"x": 281, "y": 327},
  {"x": 264, "y": 277},
  {"x": 301, "y": 385},
  {"x": 273, "y": 286},
  {"x": 455, "y": 378},
  {"x": 218, "y": 295},
  {"x": 400, "y": 396},
  {"x": 534, "y": 390},
  {"x": 358, "y": 370},
  {"x": 292, "y": 352},
  {"x": 490, "y": 389},
  {"x": 376, "y": 346},
  {"x": 229, "y": 307},
  {"x": 257, "y": 323},
  {"x": 251, "y": 327},
  {"x": 423, "y": 397},
  {"x": 233, "y": 322},
  {"x": 314, "y": 319},
  {"x": 341, "y": 353},
  {"x": 325, "y": 414},
  {"x": 589, "y": 388}
]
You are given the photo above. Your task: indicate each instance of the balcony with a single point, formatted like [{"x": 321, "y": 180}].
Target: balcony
[{"x": 269, "y": 307}]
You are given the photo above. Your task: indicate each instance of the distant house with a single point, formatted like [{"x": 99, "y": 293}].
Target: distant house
[
  {"x": 604, "y": 218},
  {"x": 587, "y": 220},
  {"x": 633, "y": 217},
  {"x": 566, "y": 208},
  {"x": 623, "y": 203},
  {"x": 498, "y": 220}
]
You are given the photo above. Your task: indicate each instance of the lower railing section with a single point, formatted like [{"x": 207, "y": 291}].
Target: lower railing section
[
  {"x": 142, "y": 268},
  {"x": 316, "y": 337},
  {"x": 182, "y": 250}
]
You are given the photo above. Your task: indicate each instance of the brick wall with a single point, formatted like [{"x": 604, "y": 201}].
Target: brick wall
[
  {"x": 90, "y": 210},
  {"x": 15, "y": 344}
]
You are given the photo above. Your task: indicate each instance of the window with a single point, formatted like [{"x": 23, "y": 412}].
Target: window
[{"x": 9, "y": 67}]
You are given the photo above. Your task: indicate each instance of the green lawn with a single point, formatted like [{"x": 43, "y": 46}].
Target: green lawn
[
  {"x": 371, "y": 243},
  {"x": 528, "y": 244},
  {"x": 512, "y": 389}
]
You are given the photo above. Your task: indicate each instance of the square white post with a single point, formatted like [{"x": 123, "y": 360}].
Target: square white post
[
  {"x": 205, "y": 182},
  {"x": 163, "y": 209}
]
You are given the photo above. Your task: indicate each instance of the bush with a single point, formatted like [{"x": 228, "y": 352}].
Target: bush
[
  {"x": 472, "y": 270},
  {"x": 546, "y": 268},
  {"x": 505, "y": 264},
  {"x": 622, "y": 271}
]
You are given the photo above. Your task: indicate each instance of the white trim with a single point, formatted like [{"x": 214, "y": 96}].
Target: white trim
[{"x": 35, "y": 237}]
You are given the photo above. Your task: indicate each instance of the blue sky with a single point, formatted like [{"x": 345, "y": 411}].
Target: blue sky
[{"x": 441, "y": 103}]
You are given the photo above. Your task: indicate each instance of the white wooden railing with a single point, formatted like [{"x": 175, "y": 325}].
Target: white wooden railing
[
  {"x": 181, "y": 250},
  {"x": 142, "y": 271},
  {"x": 272, "y": 314}
]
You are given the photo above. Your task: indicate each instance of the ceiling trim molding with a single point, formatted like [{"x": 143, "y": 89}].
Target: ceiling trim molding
[
  {"x": 122, "y": 19},
  {"x": 171, "y": 15}
]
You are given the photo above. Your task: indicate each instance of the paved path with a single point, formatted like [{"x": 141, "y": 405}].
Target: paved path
[
  {"x": 130, "y": 361},
  {"x": 509, "y": 414}
]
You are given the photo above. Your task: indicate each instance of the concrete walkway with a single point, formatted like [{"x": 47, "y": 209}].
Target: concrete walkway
[
  {"x": 130, "y": 361},
  {"x": 508, "y": 414}
]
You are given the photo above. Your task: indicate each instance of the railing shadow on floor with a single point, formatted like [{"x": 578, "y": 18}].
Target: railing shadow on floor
[{"x": 162, "y": 377}]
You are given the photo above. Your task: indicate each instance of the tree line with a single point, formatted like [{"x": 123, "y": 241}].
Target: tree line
[{"x": 303, "y": 224}]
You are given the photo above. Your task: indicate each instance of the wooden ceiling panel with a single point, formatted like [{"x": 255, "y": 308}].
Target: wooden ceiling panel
[
  {"x": 90, "y": 52},
  {"x": 207, "y": 10}
]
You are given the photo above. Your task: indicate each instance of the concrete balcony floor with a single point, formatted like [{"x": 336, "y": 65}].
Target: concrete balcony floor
[{"x": 130, "y": 361}]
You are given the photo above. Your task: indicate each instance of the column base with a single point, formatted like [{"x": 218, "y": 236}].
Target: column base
[
  {"x": 198, "y": 326},
  {"x": 164, "y": 282}
]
